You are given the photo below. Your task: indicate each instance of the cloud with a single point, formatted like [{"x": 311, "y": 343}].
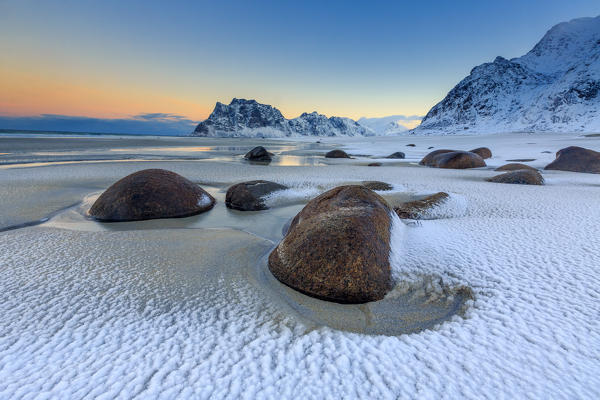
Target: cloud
[{"x": 147, "y": 123}]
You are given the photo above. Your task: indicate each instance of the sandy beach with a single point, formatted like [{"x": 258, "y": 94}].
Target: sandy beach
[{"x": 187, "y": 307}]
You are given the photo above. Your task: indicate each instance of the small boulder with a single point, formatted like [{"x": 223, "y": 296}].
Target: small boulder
[
  {"x": 337, "y": 248},
  {"x": 455, "y": 160},
  {"x": 337, "y": 154},
  {"x": 519, "y": 177},
  {"x": 482, "y": 152},
  {"x": 411, "y": 145},
  {"x": 515, "y": 167},
  {"x": 377, "y": 185},
  {"x": 248, "y": 196},
  {"x": 374, "y": 164},
  {"x": 258, "y": 153},
  {"x": 151, "y": 194},
  {"x": 576, "y": 159},
  {"x": 430, "y": 147},
  {"x": 428, "y": 159},
  {"x": 396, "y": 155},
  {"x": 418, "y": 209}
]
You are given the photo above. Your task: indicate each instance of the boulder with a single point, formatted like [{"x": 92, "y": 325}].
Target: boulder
[
  {"x": 520, "y": 177},
  {"x": 396, "y": 155},
  {"x": 428, "y": 159},
  {"x": 377, "y": 185},
  {"x": 248, "y": 196},
  {"x": 482, "y": 152},
  {"x": 337, "y": 248},
  {"x": 374, "y": 164},
  {"x": 515, "y": 167},
  {"x": 258, "y": 153},
  {"x": 150, "y": 194},
  {"x": 453, "y": 160},
  {"x": 337, "y": 154},
  {"x": 411, "y": 145},
  {"x": 417, "y": 209},
  {"x": 576, "y": 159}
]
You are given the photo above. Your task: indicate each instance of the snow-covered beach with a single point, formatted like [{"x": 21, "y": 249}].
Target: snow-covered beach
[{"x": 187, "y": 308}]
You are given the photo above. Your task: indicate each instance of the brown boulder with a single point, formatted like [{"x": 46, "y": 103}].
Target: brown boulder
[
  {"x": 337, "y": 154},
  {"x": 417, "y": 209},
  {"x": 376, "y": 185},
  {"x": 515, "y": 167},
  {"x": 428, "y": 159},
  {"x": 337, "y": 248},
  {"x": 576, "y": 159},
  {"x": 456, "y": 160},
  {"x": 519, "y": 177},
  {"x": 150, "y": 194},
  {"x": 248, "y": 196},
  {"x": 482, "y": 152}
]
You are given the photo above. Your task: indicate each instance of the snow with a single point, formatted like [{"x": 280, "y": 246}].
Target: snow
[
  {"x": 554, "y": 88},
  {"x": 181, "y": 313},
  {"x": 204, "y": 200}
]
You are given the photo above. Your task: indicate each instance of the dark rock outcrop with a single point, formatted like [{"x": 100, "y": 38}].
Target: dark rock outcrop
[
  {"x": 482, "y": 152},
  {"x": 576, "y": 159},
  {"x": 336, "y": 154},
  {"x": 418, "y": 208},
  {"x": 258, "y": 153},
  {"x": 519, "y": 177},
  {"x": 397, "y": 155},
  {"x": 374, "y": 164},
  {"x": 150, "y": 194},
  {"x": 337, "y": 248},
  {"x": 515, "y": 167},
  {"x": 248, "y": 196}
]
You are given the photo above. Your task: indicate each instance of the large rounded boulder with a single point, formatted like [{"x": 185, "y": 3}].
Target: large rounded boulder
[
  {"x": 258, "y": 153},
  {"x": 519, "y": 177},
  {"x": 249, "y": 196},
  {"x": 337, "y": 248},
  {"x": 453, "y": 160},
  {"x": 482, "y": 152},
  {"x": 336, "y": 154},
  {"x": 150, "y": 194},
  {"x": 576, "y": 159}
]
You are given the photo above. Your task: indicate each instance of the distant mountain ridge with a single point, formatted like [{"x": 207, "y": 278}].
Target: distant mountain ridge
[
  {"x": 249, "y": 118},
  {"x": 554, "y": 87}
]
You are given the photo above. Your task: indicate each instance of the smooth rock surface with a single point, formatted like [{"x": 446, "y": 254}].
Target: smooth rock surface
[
  {"x": 482, "y": 152},
  {"x": 336, "y": 154},
  {"x": 576, "y": 159},
  {"x": 258, "y": 153},
  {"x": 417, "y": 209},
  {"x": 520, "y": 177},
  {"x": 337, "y": 247},
  {"x": 515, "y": 167},
  {"x": 248, "y": 196},
  {"x": 151, "y": 194}
]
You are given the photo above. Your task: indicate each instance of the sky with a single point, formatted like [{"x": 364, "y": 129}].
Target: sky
[{"x": 166, "y": 63}]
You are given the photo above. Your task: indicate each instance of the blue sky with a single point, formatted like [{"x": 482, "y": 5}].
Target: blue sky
[{"x": 121, "y": 59}]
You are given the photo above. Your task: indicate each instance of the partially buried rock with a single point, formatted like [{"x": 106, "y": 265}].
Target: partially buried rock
[
  {"x": 249, "y": 196},
  {"x": 453, "y": 160},
  {"x": 377, "y": 185},
  {"x": 258, "y": 153},
  {"x": 576, "y": 159},
  {"x": 396, "y": 155},
  {"x": 337, "y": 248},
  {"x": 337, "y": 154},
  {"x": 374, "y": 164},
  {"x": 519, "y": 177},
  {"x": 515, "y": 167},
  {"x": 411, "y": 145},
  {"x": 418, "y": 209},
  {"x": 482, "y": 152},
  {"x": 150, "y": 194}
]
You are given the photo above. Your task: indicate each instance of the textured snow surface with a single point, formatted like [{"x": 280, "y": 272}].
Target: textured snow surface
[
  {"x": 555, "y": 87},
  {"x": 178, "y": 313}
]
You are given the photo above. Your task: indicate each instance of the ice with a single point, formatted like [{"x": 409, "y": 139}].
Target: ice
[{"x": 178, "y": 312}]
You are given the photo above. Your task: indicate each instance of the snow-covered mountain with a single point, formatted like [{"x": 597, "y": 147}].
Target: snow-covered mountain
[
  {"x": 249, "y": 118},
  {"x": 390, "y": 125},
  {"x": 555, "y": 87}
]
